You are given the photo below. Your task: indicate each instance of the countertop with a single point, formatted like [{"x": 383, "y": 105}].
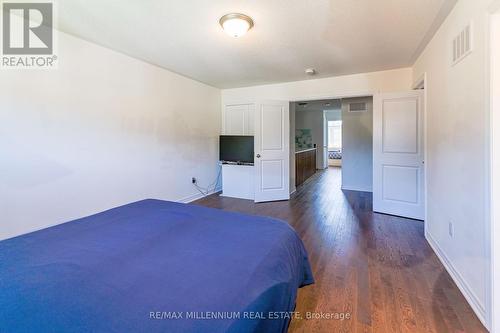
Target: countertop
[{"x": 301, "y": 150}]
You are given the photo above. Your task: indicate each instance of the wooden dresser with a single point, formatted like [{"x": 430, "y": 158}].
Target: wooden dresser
[{"x": 305, "y": 165}]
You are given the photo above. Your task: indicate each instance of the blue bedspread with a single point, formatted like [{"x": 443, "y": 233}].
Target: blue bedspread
[{"x": 153, "y": 266}]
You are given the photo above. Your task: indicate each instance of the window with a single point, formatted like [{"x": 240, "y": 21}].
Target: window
[{"x": 335, "y": 134}]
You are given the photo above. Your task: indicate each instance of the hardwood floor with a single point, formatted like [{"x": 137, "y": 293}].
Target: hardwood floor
[{"x": 377, "y": 268}]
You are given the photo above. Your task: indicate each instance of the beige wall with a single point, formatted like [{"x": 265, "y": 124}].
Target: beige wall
[
  {"x": 100, "y": 131},
  {"x": 457, "y": 141}
]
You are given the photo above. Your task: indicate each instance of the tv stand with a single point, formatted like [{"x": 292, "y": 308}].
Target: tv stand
[
  {"x": 237, "y": 163},
  {"x": 238, "y": 180}
]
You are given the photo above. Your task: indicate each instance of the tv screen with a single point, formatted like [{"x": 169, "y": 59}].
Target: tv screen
[{"x": 236, "y": 148}]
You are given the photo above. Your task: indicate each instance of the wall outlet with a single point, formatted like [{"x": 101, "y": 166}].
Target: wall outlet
[
  {"x": 450, "y": 229},
  {"x": 193, "y": 180}
]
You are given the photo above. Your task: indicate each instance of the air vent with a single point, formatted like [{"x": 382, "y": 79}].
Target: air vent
[
  {"x": 357, "y": 107},
  {"x": 462, "y": 44}
]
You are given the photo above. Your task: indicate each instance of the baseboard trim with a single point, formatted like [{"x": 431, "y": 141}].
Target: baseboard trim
[
  {"x": 198, "y": 196},
  {"x": 469, "y": 295}
]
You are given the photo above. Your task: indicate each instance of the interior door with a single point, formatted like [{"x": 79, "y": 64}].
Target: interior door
[
  {"x": 272, "y": 153},
  {"x": 398, "y": 154}
]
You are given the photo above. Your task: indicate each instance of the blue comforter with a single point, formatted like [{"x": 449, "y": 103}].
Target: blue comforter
[{"x": 153, "y": 266}]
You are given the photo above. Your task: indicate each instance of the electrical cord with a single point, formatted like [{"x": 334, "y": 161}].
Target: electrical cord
[{"x": 205, "y": 191}]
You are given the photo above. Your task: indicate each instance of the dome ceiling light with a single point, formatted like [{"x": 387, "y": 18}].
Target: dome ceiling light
[
  {"x": 310, "y": 71},
  {"x": 235, "y": 24}
]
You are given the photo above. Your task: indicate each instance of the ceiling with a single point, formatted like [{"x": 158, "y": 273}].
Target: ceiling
[{"x": 335, "y": 37}]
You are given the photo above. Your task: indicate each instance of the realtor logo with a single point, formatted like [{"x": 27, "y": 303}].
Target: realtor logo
[{"x": 28, "y": 35}]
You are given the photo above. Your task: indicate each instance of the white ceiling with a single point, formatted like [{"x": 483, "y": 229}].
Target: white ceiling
[{"x": 335, "y": 37}]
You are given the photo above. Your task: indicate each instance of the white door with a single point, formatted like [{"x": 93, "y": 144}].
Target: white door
[
  {"x": 238, "y": 119},
  {"x": 398, "y": 154},
  {"x": 272, "y": 153}
]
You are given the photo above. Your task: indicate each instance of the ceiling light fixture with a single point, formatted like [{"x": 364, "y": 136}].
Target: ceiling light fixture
[
  {"x": 236, "y": 24},
  {"x": 310, "y": 71}
]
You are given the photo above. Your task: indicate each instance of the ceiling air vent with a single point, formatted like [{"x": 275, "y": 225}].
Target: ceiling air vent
[
  {"x": 357, "y": 107},
  {"x": 462, "y": 44}
]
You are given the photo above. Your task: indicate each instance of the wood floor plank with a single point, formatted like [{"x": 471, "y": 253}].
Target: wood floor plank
[{"x": 378, "y": 268}]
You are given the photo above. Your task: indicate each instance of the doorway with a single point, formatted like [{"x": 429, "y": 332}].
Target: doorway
[
  {"x": 333, "y": 138},
  {"x": 340, "y": 134},
  {"x": 310, "y": 136},
  {"x": 382, "y": 147}
]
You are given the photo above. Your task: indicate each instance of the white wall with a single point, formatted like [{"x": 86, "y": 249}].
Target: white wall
[
  {"x": 333, "y": 115},
  {"x": 357, "y": 146},
  {"x": 340, "y": 86},
  {"x": 313, "y": 120},
  {"x": 102, "y": 130},
  {"x": 457, "y": 137}
]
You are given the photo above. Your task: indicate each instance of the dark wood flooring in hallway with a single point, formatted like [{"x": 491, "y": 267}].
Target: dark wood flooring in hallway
[{"x": 377, "y": 268}]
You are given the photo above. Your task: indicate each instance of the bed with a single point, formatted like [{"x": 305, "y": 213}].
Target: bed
[
  {"x": 335, "y": 157},
  {"x": 335, "y": 154},
  {"x": 153, "y": 266}
]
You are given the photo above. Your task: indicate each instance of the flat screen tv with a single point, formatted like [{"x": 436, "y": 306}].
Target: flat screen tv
[{"x": 236, "y": 148}]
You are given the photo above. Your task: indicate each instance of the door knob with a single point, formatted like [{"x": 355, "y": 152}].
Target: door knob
[{"x": 258, "y": 155}]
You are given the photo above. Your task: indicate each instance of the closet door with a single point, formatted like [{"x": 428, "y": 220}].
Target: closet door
[{"x": 238, "y": 119}]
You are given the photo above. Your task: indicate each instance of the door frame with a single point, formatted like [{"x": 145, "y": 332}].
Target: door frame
[
  {"x": 309, "y": 98},
  {"x": 421, "y": 84},
  {"x": 493, "y": 161},
  {"x": 325, "y": 142}
]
